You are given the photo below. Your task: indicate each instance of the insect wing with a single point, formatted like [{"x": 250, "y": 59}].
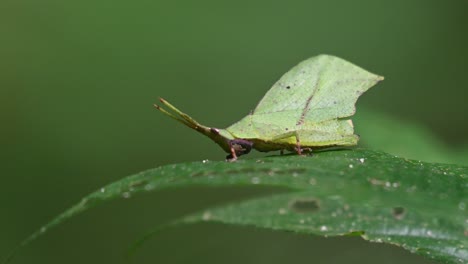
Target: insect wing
[{"x": 318, "y": 89}]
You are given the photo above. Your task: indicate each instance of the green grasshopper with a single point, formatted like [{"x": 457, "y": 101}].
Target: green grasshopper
[{"x": 308, "y": 108}]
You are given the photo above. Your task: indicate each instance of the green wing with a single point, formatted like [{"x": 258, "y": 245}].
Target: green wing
[{"x": 318, "y": 90}]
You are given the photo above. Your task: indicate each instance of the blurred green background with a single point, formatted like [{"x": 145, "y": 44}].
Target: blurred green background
[{"x": 77, "y": 84}]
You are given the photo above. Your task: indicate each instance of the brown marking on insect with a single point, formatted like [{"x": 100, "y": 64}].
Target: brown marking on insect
[{"x": 306, "y": 108}]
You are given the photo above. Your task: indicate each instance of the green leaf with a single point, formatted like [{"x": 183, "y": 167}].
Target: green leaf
[
  {"x": 418, "y": 206},
  {"x": 383, "y": 132}
]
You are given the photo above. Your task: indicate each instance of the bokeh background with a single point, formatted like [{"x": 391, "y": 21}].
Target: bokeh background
[{"x": 77, "y": 84}]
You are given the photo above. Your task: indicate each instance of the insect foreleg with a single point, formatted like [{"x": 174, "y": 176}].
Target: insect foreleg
[{"x": 238, "y": 147}]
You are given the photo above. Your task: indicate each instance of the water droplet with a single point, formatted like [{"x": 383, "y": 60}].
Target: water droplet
[
  {"x": 323, "y": 228},
  {"x": 255, "y": 180},
  {"x": 43, "y": 229},
  {"x": 205, "y": 161},
  {"x": 362, "y": 160},
  {"x": 388, "y": 184},
  {"x": 351, "y": 166},
  {"x": 395, "y": 184},
  {"x": 312, "y": 181},
  {"x": 301, "y": 221},
  {"x": 462, "y": 206},
  {"x": 103, "y": 190},
  {"x": 206, "y": 216},
  {"x": 281, "y": 211},
  {"x": 429, "y": 232},
  {"x": 379, "y": 240},
  {"x": 126, "y": 195},
  {"x": 149, "y": 187}
]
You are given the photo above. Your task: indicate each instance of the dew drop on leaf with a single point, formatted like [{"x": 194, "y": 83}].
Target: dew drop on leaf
[
  {"x": 312, "y": 181},
  {"x": 206, "y": 216},
  {"x": 255, "y": 180},
  {"x": 462, "y": 206},
  {"x": 281, "y": 211}
]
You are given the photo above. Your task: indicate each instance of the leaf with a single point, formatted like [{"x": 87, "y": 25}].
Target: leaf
[
  {"x": 418, "y": 206},
  {"x": 383, "y": 132}
]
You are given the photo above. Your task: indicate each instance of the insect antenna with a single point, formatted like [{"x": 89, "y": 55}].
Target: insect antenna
[
  {"x": 179, "y": 115},
  {"x": 171, "y": 115}
]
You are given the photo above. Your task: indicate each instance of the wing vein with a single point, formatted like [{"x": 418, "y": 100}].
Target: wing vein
[{"x": 306, "y": 108}]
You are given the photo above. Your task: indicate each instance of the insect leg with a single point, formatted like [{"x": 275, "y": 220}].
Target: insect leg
[
  {"x": 231, "y": 157},
  {"x": 298, "y": 145},
  {"x": 239, "y": 147}
]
